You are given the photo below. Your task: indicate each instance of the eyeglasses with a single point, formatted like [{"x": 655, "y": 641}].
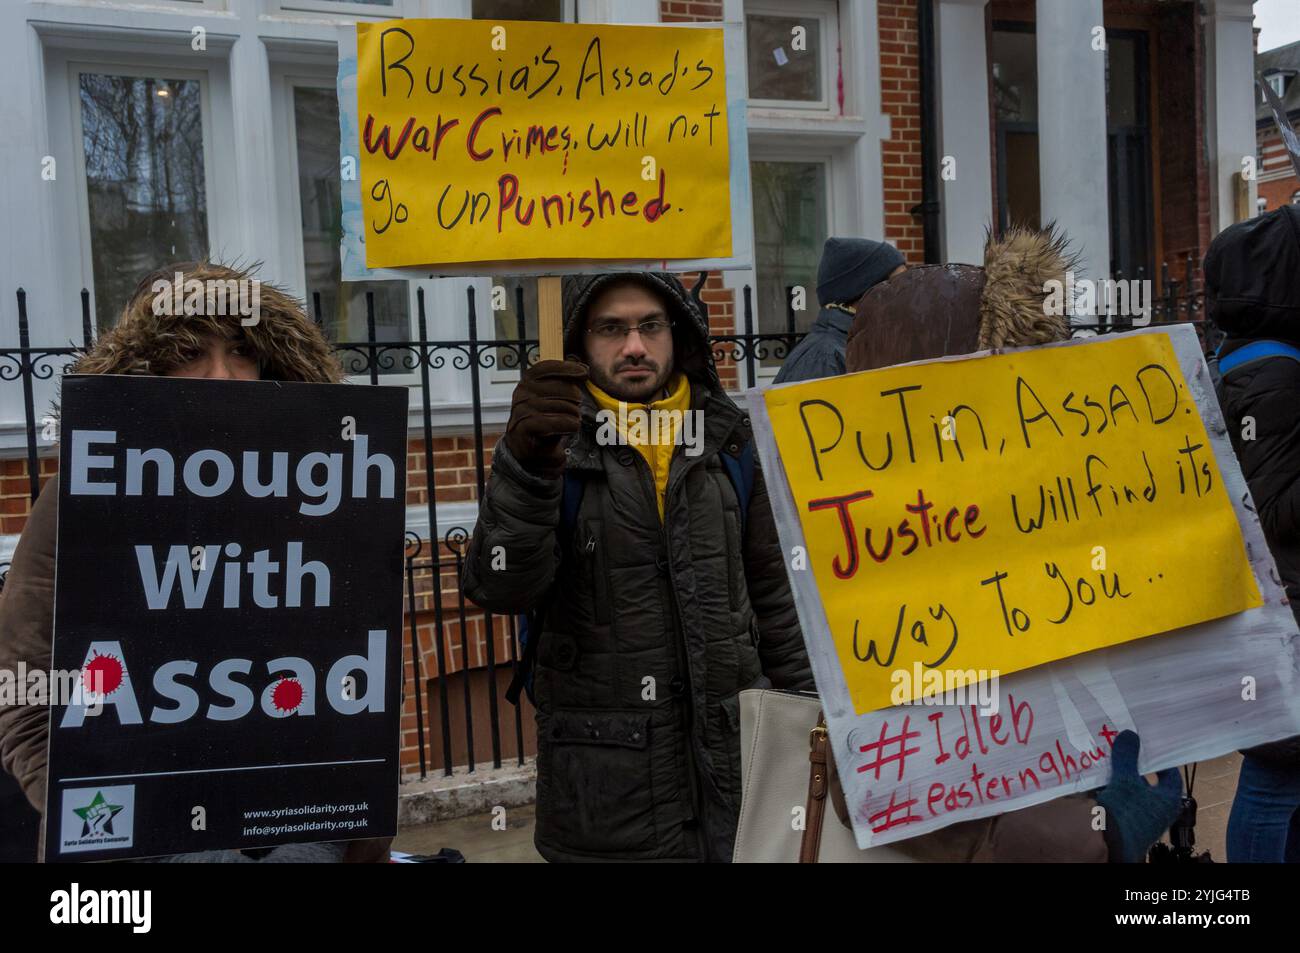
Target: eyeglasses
[{"x": 613, "y": 331}]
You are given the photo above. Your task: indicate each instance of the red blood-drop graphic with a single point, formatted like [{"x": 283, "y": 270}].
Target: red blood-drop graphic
[
  {"x": 102, "y": 674},
  {"x": 287, "y": 694}
]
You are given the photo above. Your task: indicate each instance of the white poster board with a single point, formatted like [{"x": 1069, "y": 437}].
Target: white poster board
[{"x": 1217, "y": 686}]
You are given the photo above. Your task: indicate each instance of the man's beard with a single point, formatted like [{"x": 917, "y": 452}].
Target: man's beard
[{"x": 639, "y": 392}]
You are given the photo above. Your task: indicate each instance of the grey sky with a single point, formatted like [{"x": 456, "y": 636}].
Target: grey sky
[{"x": 1278, "y": 22}]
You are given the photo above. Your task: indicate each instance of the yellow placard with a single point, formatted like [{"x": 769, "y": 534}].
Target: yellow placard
[
  {"x": 982, "y": 516},
  {"x": 487, "y": 140}
]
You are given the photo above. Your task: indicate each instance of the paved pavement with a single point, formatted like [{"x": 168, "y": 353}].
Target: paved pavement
[
  {"x": 1214, "y": 788},
  {"x": 477, "y": 837},
  {"x": 481, "y": 842}
]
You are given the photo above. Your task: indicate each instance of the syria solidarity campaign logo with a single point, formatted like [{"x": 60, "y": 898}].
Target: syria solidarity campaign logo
[{"x": 97, "y": 818}]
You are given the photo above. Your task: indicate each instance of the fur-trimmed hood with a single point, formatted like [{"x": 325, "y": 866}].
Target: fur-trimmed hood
[
  {"x": 939, "y": 310},
  {"x": 149, "y": 339}
]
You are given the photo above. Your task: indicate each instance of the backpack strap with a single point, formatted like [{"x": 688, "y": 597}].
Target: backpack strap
[
  {"x": 1256, "y": 351},
  {"x": 530, "y": 624},
  {"x": 740, "y": 470},
  {"x": 571, "y": 502}
]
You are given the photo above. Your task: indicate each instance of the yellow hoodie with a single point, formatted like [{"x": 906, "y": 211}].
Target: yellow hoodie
[{"x": 655, "y": 444}]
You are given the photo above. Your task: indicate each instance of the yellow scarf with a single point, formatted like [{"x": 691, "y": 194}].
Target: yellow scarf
[{"x": 651, "y": 442}]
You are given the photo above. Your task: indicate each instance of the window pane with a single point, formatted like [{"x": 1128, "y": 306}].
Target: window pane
[
  {"x": 1122, "y": 83},
  {"x": 1015, "y": 76},
  {"x": 790, "y": 225},
  {"x": 506, "y": 320},
  {"x": 776, "y": 71},
  {"x": 145, "y": 191},
  {"x": 342, "y": 303},
  {"x": 518, "y": 10},
  {"x": 1023, "y": 201}
]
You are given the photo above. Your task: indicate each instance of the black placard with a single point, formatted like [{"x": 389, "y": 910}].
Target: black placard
[{"x": 266, "y": 711}]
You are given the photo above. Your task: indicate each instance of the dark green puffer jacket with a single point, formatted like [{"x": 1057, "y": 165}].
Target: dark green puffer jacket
[{"x": 651, "y": 630}]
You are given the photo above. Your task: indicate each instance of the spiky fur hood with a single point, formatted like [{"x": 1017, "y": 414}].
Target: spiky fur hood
[
  {"x": 288, "y": 346},
  {"x": 1017, "y": 267}
]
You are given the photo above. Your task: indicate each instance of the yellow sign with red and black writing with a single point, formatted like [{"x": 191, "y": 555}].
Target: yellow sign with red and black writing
[
  {"x": 494, "y": 141},
  {"x": 991, "y": 514}
]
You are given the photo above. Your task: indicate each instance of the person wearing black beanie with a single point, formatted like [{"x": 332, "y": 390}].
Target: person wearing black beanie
[{"x": 849, "y": 268}]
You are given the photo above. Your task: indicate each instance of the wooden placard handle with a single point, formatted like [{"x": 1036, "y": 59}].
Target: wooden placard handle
[{"x": 550, "y": 319}]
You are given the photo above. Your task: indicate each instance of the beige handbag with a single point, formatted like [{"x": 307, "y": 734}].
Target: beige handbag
[{"x": 785, "y": 763}]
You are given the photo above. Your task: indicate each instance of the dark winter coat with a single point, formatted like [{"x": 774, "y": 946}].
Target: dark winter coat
[
  {"x": 821, "y": 352},
  {"x": 849, "y": 267},
  {"x": 651, "y": 629},
  {"x": 1252, "y": 286}
]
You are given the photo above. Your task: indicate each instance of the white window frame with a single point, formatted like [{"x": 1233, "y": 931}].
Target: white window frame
[
  {"x": 568, "y": 11},
  {"x": 833, "y": 161},
  {"x": 284, "y": 79},
  {"x": 849, "y": 142},
  {"x": 62, "y": 79},
  {"x": 345, "y": 9},
  {"x": 826, "y": 12},
  {"x": 172, "y": 6}
]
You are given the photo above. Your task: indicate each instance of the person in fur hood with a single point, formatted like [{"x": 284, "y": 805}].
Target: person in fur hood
[
  {"x": 280, "y": 344},
  {"x": 935, "y": 311}
]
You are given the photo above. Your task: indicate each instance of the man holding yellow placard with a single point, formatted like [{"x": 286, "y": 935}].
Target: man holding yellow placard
[{"x": 627, "y": 516}]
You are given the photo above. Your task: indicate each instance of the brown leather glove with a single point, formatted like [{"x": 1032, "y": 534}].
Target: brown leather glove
[{"x": 543, "y": 413}]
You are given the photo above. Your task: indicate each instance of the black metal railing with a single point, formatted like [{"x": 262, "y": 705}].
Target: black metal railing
[
  {"x": 1180, "y": 300},
  {"x": 435, "y": 559}
]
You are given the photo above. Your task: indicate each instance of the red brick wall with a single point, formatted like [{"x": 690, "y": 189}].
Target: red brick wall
[
  {"x": 900, "y": 99},
  {"x": 722, "y": 302},
  {"x": 1277, "y": 192},
  {"x": 464, "y": 642},
  {"x": 1183, "y": 172},
  {"x": 15, "y": 499},
  {"x": 681, "y": 11}
]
